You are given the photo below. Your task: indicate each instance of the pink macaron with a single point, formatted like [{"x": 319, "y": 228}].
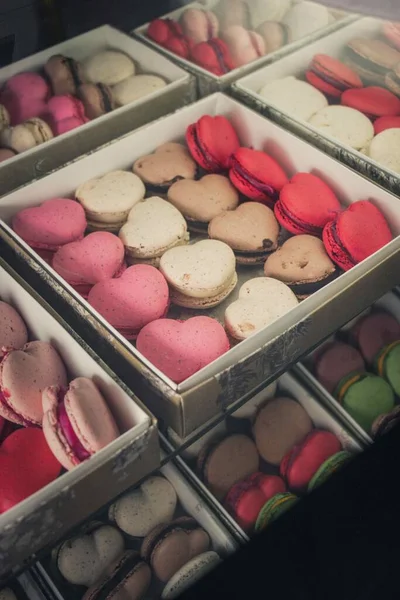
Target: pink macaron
[
  {"x": 98, "y": 257},
  {"x": 24, "y": 95},
  {"x": 48, "y": 227},
  {"x": 77, "y": 422},
  {"x": 65, "y": 113},
  {"x": 133, "y": 300},
  {"x": 244, "y": 46},
  {"x": 24, "y": 374},
  {"x": 180, "y": 349}
]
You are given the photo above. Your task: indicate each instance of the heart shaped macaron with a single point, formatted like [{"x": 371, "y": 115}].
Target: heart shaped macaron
[
  {"x": 13, "y": 331},
  {"x": 201, "y": 275},
  {"x": 261, "y": 302},
  {"x": 212, "y": 141},
  {"x": 83, "y": 559},
  {"x": 136, "y": 298},
  {"x": 52, "y": 224},
  {"x": 24, "y": 375},
  {"x": 138, "y": 512},
  {"x": 26, "y": 465},
  {"x": 202, "y": 200},
  {"x": 152, "y": 228},
  {"x": 97, "y": 257},
  {"x": 180, "y": 349},
  {"x": 251, "y": 231},
  {"x": 169, "y": 163}
]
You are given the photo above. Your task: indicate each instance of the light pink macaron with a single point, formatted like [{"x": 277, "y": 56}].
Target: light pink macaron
[
  {"x": 244, "y": 46},
  {"x": 13, "y": 332},
  {"x": 24, "y": 374},
  {"x": 133, "y": 300},
  {"x": 199, "y": 25},
  {"x": 181, "y": 348},
  {"x": 77, "y": 422},
  {"x": 98, "y": 257},
  {"x": 24, "y": 95},
  {"x": 48, "y": 227}
]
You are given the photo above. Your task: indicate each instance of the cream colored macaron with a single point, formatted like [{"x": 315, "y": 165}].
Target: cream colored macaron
[
  {"x": 261, "y": 301},
  {"x": 107, "y": 200},
  {"x": 136, "y": 87},
  {"x": 201, "y": 275},
  {"x": 347, "y": 125},
  {"x": 153, "y": 227},
  {"x": 385, "y": 149},
  {"x": 298, "y": 99},
  {"x": 108, "y": 67}
]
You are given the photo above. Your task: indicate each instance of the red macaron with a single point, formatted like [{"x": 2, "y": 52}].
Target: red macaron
[
  {"x": 214, "y": 56},
  {"x": 331, "y": 76},
  {"x": 257, "y": 175},
  {"x": 384, "y": 123},
  {"x": 247, "y": 497},
  {"x": 212, "y": 141},
  {"x": 373, "y": 101},
  {"x": 169, "y": 34},
  {"x": 300, "y": 464},
  {"x": 355, "y": 234},
  {"x": 306, "y": 204}
]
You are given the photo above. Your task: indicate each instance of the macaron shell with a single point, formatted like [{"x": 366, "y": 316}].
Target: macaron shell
[
  {"x": 55, "y": 438},
  {"x": 166, "y": 165},
  {"x": 108, "y": 67},
  {"x": 180, "y": 349},
  {"x": 375, "y": 331},
  {"x": 373, "y": 101},
  {"x": 274, "y": 508},
  {"x": 306, "y": 17},
  {"x": 136, "y": 87},
  {"x": 366, "y": 399},
  {"x": 274, "y": 34},
  {"x": 345, "y": 124},
  {"x": 328, "y": 468},
  {"x": 13, "y": 331},
  {"x": 383, "y": 123},
  {"x": 385, "y": 149},
  {"x": 214, "y": 56},
  {"x": 199, "y": 25},
  {"x": 297, "y": 98},
  {"x": 190, "y": 574},
  {"x": 244, "y": 46}
]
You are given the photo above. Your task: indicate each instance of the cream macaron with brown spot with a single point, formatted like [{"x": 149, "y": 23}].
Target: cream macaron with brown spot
[
  {"x": 200, "y": 275},
  {"x": 153, "y": 227}
]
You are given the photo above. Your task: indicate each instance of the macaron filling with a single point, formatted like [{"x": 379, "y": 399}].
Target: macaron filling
[
  {"x": 340, "y": 85},
  {"x": 338, "y": 242},
  {"x": 308, "y": 288},
  {"x": 125, "y": 567},
  {"x": 73, "y": 69},
  {"x": 68, "y": 431},
  {"x": 252, "y": 180}
]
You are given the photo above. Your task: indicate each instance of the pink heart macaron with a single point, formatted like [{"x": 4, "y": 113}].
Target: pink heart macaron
[
  {"x": 180, "y": 349},
  {"x": 77, "y": 422},
  {"x": 99, "y": 256},
  {"x": 133, "y": 300},
  {"x": 51, "y": 225},
  {"x": 24, "y": 374}
]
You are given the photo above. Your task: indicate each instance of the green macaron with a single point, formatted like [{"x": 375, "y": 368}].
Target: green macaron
[
  {"x": 328, "y": 468},
  {"x": 387, "y": 365},
  {"x": 365, "y": 396},
  {"x": 274, "y": 508}
]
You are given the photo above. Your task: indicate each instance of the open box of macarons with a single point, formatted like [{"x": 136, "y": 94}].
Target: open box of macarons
[
  {"x": 359, "y": 368},
  {"x": 77, "y": 95},
  {"x": 230, "y": 38},
  {"x": 67, "y": 425},
  {"x": 341, "y": 94},
  {"x": 265, "y": 456},
  {"x": 236, "y": 315},
  {"x": 154, "y": 541}
]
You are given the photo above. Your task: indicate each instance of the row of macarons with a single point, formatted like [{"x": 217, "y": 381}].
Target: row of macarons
[
  {"x": 355, "y": 100},
  {"x": 35, "y": 107},
  {"x": 224, "y": 39},
  {"x": 66, "y": 421}
]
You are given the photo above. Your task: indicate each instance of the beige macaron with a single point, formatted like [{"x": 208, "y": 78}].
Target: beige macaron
[
  {"x": 26, "y": 136},
  {"x": 107, "y": 200},
  {"x": 153, "y": 227},
  {"x": 166, "y": 165},
  {"x": 261, "y": 301},
  {"x": 136, "y": 87},
  {"x": 297, "y": 98},
  {"x": 385, "y": 149},
  {"x": 201, "y": 275},
  {"x": 109, "y": 67},
  {"x": 202, "y": 200}
]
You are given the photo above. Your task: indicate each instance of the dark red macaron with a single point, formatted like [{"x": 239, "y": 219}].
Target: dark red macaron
[
  {"x": 335, "y": 362},
  {"x": 169, "y": 34},
  {"x": 355, "y": 234},
  {"x": 306, "y": 204},
  {"x": 247, "y": 497},
  {"x": 300, "y": 465},
  {"x": 257, "y": 175},
  {"x": 373, "y": 101},
  {"x": 331, "y": 76},
  {"x": 384, "y": 123},
  {"x": 214, "y": 56},
  {"x": 212, "y": 141}
]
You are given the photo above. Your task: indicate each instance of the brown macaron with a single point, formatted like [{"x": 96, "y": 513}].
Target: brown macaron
[
  {"x": 129, "y": 577},
  {"x": 65, "y": 74},
  {"x": 170, "y": 546},
  {"x": 226, "y": 461},
  {"x": 274, "y": 34},
  {"x": 200, "y": 201},
  {"x": 303, "y": 264},
  {"x": 169, "y": 163},
  {"x": 371, "y": 59},
  {"x": 97, "y": 99},
  {"x": 279, "y": 425},
  {"x": 251, "y": 230}
]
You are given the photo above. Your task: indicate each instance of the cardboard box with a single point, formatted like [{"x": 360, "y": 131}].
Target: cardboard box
[
  {"x": 43, "y": 159},
  {"x": 247, "y": 90},
  {"x": 262, "y": 357},
  {"x": 207, "y": 83},
  {"x": 48, "y": 514}
]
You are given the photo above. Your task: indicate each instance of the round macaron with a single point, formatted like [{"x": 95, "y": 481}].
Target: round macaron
[
  {"x": 373, "y": 332},
  {"x": 97, "y": 99},
  {"x": 212, "y": 141},
  {"x": 371, "y": 59},
  {"x": 384, "y": 123},
  {"x": 108, "y": 67},
  {"x": 274, "y": 508},
  {"x": 365, "y": 396},
  {"x": 347, "y": 125},
  {"x": 190, "y": 573},
  {"x": 298, "y": 99},
  {"x": 224, "y": 462},
  {"x": 387, "y": 365},
  {"x": 385, "y": 149},
  {"x": 372, "y": 101},
  {"x": 328, "y": 468},
  {"x": 214, "y": 56},
  {"x": 306, "y": 204},
  {"x": 13, "y": 331},
  {"x": 336, "y": 361},
  {"x": 331, "y": 76},
  {"x": 385, "y": 423}
]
